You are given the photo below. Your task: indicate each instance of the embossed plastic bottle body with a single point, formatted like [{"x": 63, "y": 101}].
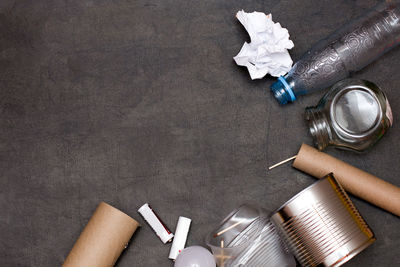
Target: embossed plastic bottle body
[
  {"x": 353, "y": 114},
  {"x": 346, "y": 51}
]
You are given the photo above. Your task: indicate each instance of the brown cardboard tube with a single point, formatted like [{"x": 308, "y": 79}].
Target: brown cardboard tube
[
  {"x": 353, "y": 180},
  {"x": 103, "y": 239}
]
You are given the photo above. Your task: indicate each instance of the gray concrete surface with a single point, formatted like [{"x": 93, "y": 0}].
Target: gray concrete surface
[{"x": 131, "y": 101}]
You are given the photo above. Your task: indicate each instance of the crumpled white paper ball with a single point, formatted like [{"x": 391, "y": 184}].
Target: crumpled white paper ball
[{"x": 268, "y": 50}]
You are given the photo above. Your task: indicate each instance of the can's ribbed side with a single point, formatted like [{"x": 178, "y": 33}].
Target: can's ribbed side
[{"x": 321, "y": 225}]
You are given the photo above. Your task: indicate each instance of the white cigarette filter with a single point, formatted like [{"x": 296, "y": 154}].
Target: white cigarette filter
[
  {"x": 155, "y": 223},
  {"x": 181, "y": 233}
]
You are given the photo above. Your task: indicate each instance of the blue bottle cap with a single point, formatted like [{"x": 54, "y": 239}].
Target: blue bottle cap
[{"x": 282, "y": 91}]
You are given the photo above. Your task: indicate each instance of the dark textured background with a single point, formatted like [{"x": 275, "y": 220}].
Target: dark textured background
[{"x": 140, "y": 101}]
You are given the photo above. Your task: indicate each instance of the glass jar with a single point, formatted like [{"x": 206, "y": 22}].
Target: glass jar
[{"x": 353, "y": 114}]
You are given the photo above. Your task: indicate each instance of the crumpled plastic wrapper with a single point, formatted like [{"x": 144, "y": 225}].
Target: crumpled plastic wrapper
[{"x": 268, "y": 50}]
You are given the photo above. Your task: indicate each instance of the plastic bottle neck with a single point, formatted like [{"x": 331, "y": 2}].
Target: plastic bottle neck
[
  {"x": 319, "y": 127},
  {"x": 283, "y": 91}
]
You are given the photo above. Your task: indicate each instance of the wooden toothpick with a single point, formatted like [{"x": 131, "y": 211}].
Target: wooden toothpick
[
  {"x": 228, "y": 228},
  {"x": 282, "y": 162},
  {"x": 222, "y": 257}
]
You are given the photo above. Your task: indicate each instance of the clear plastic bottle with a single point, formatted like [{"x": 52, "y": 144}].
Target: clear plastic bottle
[
  {"x": 353, "y": 114},
  {"x": 347, "y": 50},
  {"x": 247, "y": 238}
]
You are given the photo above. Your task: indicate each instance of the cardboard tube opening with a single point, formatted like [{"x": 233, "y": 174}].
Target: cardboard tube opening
[{"x": 103, "y": 239}]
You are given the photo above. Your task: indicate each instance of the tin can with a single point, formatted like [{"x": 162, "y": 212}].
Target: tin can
[{"x": 321, "y": 225}]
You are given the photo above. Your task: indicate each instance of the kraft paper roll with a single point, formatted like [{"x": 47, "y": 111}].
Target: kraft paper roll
[
  {"x": 103, "y": 239},
  {"x": 353, "y": 180}
]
